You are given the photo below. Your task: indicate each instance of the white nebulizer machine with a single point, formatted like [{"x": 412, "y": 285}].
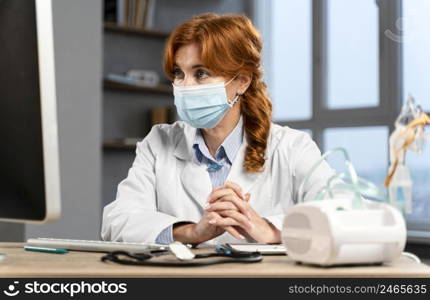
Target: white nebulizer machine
[
  {"x": 344, "y": 224},
  {"x": 340, "y": 226}
]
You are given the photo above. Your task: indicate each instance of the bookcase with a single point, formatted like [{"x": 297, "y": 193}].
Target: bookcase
[{"x": 127, "y": 109}]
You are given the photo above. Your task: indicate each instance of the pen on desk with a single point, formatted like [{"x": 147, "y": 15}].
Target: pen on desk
[{"x": 45, "y": 249}]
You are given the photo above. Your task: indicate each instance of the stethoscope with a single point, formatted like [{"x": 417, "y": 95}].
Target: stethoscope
[{"x": 224, "y": 253}]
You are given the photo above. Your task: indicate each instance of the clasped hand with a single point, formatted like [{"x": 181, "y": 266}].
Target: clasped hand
[{"x": 229, "y": 209}]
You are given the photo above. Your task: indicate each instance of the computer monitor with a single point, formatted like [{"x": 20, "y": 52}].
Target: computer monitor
[{"x": 29, "y": 158}]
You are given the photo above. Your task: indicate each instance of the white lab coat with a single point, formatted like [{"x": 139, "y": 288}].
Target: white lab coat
[{"x": 166, "y": 185}]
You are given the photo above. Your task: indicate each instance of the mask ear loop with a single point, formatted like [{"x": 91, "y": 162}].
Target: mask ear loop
[
  {"x": 235, "y": 99},
  {"x": 233, "y": 78}
]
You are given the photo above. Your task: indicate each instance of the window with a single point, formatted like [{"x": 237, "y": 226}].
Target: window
[
  {"x": 416, "y": 71},
  {"x": 352, "y": 53},
  {"x": 416, "y": 49},
  {"x": 367, "y": 149},
  {"x": 420, "y": 173},
  {"x": 291, "y": 59},
  {"x": 360, "y": 59}
]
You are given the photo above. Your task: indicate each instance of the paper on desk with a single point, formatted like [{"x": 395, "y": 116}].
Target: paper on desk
[{"x": 263, "y": 248}]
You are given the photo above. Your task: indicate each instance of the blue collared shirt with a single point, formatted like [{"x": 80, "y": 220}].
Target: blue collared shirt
[{"x": 218, "y": 166}]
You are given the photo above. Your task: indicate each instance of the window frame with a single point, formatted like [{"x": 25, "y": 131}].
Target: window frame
[{"x": 390, "y": 82}]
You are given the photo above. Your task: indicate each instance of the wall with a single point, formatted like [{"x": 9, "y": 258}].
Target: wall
[
  {"x": 78, "y": 50},
  {"x": 125, "y": 114}
]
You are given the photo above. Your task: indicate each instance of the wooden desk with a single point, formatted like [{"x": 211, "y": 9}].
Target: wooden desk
[{"x": 21, "y": 263}]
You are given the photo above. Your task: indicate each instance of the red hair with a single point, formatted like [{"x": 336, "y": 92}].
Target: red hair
[{"x": 231, "y": 45}]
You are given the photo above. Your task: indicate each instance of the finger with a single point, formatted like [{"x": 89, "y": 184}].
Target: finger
[
  {"x": 218, "y": 188},
  {"x": 242, "y": 205},
  {"x": 212, "y": 216},
  {"x": 224, "y": 222},
  {"x": 221, "y": 187},
  {"x": 233, "y": 232},
  {"x": 245, "y": 223},
  {"x": 214, "y": 196},
  {"x": 235, "y": 187},
  {"x": 247, "y": 197},
  {"x": 228, "y": 185},
  {"x": 221, "y": 205},
  {"x": 215, "y": 189}
]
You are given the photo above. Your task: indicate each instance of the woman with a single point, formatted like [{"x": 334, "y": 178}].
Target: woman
[{"x": 225, "y": 172}]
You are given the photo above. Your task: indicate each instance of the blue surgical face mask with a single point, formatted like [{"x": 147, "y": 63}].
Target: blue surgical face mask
[{"x": 202, "y": 106}]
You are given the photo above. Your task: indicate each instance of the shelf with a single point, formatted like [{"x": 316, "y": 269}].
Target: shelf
[
  {"x": 161, "y": 89},
  {"x": 107, "y": 146},
  {"x": 113, "y": 27},
  {"x": 120, "y": 144}
]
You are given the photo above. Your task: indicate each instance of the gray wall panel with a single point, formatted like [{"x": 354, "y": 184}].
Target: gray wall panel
[{"x": 78, "y": 51}]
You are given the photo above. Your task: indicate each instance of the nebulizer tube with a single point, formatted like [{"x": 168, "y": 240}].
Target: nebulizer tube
[
  {"x": 361, "y": 187},
  {"x": 344, "y": 182},
  {"x": 356, "y": 186}
]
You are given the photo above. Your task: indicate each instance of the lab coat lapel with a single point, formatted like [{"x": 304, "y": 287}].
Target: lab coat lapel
[
  {"x": 196, "y": 182},
  {"x": 238, "y": 174},
  {"x": 194, "y": 177}
]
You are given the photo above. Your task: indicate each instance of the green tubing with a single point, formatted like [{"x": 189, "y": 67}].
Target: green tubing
[{"x": 357, "y": 185}]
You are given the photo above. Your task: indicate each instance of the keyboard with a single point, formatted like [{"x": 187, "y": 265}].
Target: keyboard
[{"x": 93, "y": 246}]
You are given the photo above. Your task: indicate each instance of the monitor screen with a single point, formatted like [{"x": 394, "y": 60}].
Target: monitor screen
[{"x": 22, "y": 168}]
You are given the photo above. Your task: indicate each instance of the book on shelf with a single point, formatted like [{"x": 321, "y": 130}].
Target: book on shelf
[
  {"x": 130, "y": 13},
  {"x": 110, "y": 10},
  {"x": 162, "y": 115},
  {"x": 135, "y": 80},
  {"x": 150, "y": 12},
  {"x": 141, "y": 7},
  {"x": 123, "y": 142},
  {"x": 120, "y": 13},
  {"x": 157, "y": 115}
]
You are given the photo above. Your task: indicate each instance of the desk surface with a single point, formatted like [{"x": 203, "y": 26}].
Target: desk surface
[{"x": 21, "y": 263}]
